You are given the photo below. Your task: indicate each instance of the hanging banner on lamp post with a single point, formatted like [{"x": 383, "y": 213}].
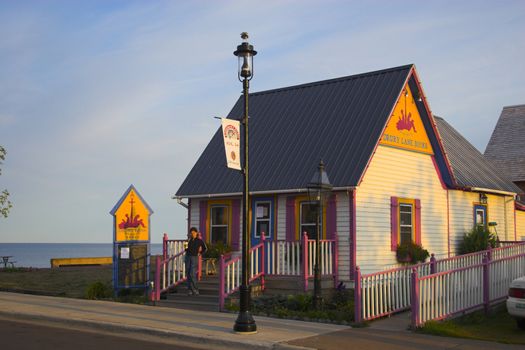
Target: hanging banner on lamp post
[{"x": 232, "y": 142}]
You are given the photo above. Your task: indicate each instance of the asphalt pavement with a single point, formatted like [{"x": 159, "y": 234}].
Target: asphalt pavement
[{"x": 189, "y": 329}]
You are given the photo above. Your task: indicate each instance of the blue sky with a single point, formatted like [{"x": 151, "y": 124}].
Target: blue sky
[{"x": 98, "y": 95}]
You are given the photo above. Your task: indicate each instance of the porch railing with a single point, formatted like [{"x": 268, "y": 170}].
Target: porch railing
[
  {"x": 171, "y": 247},
  {"x": 279, "y": 258},
  {"x": 230, "y": 278}
]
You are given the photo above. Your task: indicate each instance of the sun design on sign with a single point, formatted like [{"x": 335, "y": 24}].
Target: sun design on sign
[
  {"x": 405, "y": 122},
  {"x": 231, "y": 132}
]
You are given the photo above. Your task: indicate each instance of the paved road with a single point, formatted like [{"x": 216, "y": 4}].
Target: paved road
[
  {"x": 45, "y": 336},
  {"x": 371, "y": 339}
]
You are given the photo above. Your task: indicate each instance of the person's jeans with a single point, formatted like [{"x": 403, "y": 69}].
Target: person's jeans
[{"x": 192, "y": 263}]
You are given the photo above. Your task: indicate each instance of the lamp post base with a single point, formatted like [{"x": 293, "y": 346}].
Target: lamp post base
[{"x": 245, "y": 323}]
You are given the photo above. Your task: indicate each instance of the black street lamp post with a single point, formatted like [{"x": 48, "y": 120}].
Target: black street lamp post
[
  {"x": 318, "y": 188},
  {"x": 245, "y": 322}
]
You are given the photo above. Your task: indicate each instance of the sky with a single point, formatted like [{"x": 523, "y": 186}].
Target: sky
[{"x": 98, "y": 95}]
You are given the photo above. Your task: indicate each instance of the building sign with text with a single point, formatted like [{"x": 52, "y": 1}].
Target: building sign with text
[{"x": 405, "y": 128}]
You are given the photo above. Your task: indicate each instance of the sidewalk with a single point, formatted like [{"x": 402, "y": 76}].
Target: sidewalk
[{"x": 200, "y": 328}]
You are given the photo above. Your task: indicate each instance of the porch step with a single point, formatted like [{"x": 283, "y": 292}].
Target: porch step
[
  {"x": 197, "y": 303},
  {"x": 207, "y": 300}
]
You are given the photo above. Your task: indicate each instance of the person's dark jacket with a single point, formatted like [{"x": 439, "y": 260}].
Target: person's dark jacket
[{"x": 193, "y": 247}]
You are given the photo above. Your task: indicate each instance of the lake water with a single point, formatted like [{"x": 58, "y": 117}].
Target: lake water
[{"x": 39, "y": 254}]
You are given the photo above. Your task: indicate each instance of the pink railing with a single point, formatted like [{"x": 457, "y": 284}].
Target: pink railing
[
  {"x": 462, "y": 290},
  {"x": 279, "y": 258},
  {"x": 171, "y": 247},
  {"x": 383, "y": 293},
  {"x": 170, "y": 268},
  {"x": 230, "y": 278}
]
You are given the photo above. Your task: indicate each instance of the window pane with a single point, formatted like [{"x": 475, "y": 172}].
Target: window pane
[
  {"x": 308, "y": 213},
  {"x": 406, "y": 235},
  {"x": 219, "y": 234},
  {"x": 263, "y": 226},
  {"x": 406, "y": 219},
  {"x": 263, "y": 211},
  {"x": 219, "y": 215},
  {"x": 480, "y": 217},
  {"x": 310, "y": 230}
]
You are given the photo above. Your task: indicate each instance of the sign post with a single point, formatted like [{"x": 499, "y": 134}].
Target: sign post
[{"x": 131, "y": 241}]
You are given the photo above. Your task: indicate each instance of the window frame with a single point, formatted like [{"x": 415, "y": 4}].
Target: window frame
[
  {"x": 228, "y": 220},
  {"x": 406, "y": 203},
  {"x": 269, "y": 219},
  {"x": 484, "y": 207},
  {"x": 314, "y": 224}
]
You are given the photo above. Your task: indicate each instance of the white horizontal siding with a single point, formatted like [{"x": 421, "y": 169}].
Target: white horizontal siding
[
  {"x": 281, "y": 217},
  {"x": 399, "y": 173},
  {"x": 499, "y": 210},
  {"x": 195, "y": 213},
  {"x": 343, "y": 235}
]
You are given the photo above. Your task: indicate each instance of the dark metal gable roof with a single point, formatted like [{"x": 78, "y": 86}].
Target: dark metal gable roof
[
  {"x": 291, "y": 129},
  {"x": 469, "y": 166}
]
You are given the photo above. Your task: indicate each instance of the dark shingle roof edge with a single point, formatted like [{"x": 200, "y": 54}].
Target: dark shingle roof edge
[{"x": 471, "y": 169}]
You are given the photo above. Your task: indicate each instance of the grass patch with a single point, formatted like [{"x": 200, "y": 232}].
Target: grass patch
[
  {"x": 497, "y": 326},
  {"x": 65, "y": 281}
]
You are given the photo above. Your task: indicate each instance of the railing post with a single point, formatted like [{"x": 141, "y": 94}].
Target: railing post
[
  {"x": 336, "y": 260},
  {"x": 433, "y": 264},
  {"x": 157, "y": 278},
  {"x": 486, "y": 283},
  {"x": 414, "y": 298},
  {"x": 221, "y": 283},
  {"x": 305, "y": 260},
  {"x": 199, "y": 268},
  {"x": 357, "y": 295},
  {"x": 263, "y": 259},
  {"x": 489, "y": 252},
  {"x": 165, "y": 246}
]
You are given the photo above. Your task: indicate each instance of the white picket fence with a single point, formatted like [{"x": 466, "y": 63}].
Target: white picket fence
[
  {"x": 386, "y": 292},
  {"x": 445, "y": 294}
]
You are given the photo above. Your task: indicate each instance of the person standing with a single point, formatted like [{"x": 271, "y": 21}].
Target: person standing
[{"x": 196, "y": 247}]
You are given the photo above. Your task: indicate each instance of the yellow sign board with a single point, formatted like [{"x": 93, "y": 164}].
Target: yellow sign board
[
  {"x": 405, "y": 129},
  {"x": 131, "y": 218}
]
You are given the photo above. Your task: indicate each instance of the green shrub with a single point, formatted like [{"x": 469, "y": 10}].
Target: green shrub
[
  {"x": 99, "y": 290},
  {"x": 477, "y": 239},
  {"x": 216, "y": 250},
  {"x": 411, "y": 253},
  {"x": 339, "y": 307}
]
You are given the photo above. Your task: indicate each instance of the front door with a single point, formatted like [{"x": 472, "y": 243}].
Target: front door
[{"x": 262, "y": 222}]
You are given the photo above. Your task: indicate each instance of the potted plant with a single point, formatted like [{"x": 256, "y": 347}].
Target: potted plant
[
  {"x": 216, "y": 250},
  {"x": 411, "y": 253}
]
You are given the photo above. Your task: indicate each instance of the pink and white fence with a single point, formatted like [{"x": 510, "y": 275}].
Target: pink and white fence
[
  {"x": 383, "y": 293},
  {"x": 445, "y": 294}
]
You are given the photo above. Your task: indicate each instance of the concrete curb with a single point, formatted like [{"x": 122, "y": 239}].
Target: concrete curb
[{"x": 198, "y": 340}]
